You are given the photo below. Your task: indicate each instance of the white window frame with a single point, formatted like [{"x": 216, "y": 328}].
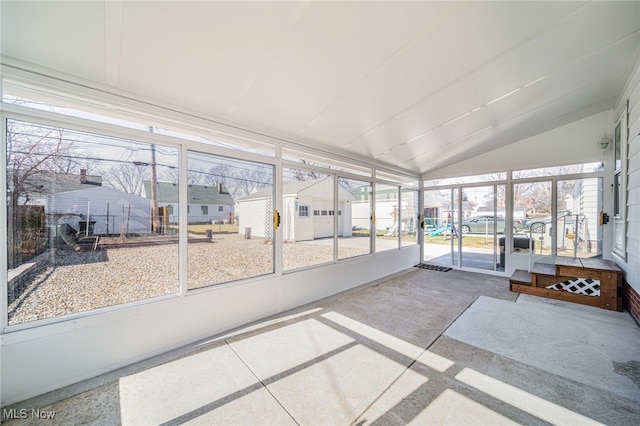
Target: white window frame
[{"x": 619, "y": 234}]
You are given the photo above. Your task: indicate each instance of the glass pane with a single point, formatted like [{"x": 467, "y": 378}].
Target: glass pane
[
  {"x": 47, "y": 100},
  {"x": 230, "y": 219},
  {"x": 491, "y": 177},
  {"x": 617, "y": 147},
  {"x": 559, "y": 170},
  {"x": 403, "y": 180},
  {"x": 308, "y": 218},
  {"x": 356, "y": 237},
  {"x": 578, "y": 205},
  {"x": 533, "y": 201},
  {"x": 409, "y": 214},
  {"x": 85, "y": 231},
  {"x": 438, "y": 207},
  {"x": 387, "y": 217},
  {"x": 320, "y": 161},
  {"x": 480, "y": 225}
]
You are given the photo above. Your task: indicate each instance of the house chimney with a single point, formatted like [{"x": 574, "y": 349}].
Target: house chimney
[
  {"x": 83, "y": 175},
  {"x": 219, "y": 188}
]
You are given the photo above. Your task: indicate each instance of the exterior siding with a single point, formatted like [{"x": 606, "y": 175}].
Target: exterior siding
[
  {"x": 303, "y": 226},
  {"x": 631, "y": 292},
  {"x": 106, "y": 206},
  {"x": 213, "y": 216},
  {"x": 252, "y": 214}
]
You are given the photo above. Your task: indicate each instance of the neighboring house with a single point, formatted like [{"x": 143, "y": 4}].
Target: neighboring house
[
  {"x": 308, "y": 211},
  {"x": 387, "y": 211},
  {"x": 42, "y": 183},
  {"x": 107, "y": 210},
  {"x": 206, "y": 204},
  {"x": 80, "y": 199}
]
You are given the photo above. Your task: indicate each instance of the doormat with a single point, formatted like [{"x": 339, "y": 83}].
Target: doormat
[
  {"x": 432, "y": 267},
  {"x": 584, "y": 286}
]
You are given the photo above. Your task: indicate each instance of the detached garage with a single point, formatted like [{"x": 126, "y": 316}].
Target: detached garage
[{"x": 308, "y": 211}]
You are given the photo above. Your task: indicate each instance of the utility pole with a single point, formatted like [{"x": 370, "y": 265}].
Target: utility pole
[{"x": 154, "y": 189}]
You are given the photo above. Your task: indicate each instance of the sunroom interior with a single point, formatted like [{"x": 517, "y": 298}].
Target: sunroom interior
[{"x": 176, "y": 170}]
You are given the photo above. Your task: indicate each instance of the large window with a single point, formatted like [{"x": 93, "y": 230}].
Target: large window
[
  {"x": 387, "y": 217},
  {"x": 145, "y": 208},
  {"x": 356, "y": 214},
  {"x": 233, "y": 243},
  {"x": 532, "y": 211},
  {"x": 578, "y": 232},
  {"x": 88, "y": 224},
  {"x": 308, "y": 239},
  {"x": 409, "y": 217}
]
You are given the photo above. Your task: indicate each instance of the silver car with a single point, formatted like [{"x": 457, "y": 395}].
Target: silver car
[{"x": 482, "y": 224}]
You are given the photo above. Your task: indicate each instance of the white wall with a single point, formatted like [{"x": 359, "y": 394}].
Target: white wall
[{"x": 41, "y": 359}]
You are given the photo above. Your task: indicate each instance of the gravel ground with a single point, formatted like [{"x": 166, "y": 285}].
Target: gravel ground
[{"x": 71, "y": 282}]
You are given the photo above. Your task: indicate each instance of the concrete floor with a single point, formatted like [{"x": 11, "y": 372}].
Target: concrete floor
[{"x": 423, "y": 347}]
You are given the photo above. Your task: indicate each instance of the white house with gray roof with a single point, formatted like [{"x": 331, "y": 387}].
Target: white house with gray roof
[
  {"x": 308, "y": 211},
  {"x": 206, "y": 204}
]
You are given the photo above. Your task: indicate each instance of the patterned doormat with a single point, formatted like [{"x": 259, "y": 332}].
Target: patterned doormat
[
  {"x": 585, "y": 286},
  {"x": 432, "y": 267}
]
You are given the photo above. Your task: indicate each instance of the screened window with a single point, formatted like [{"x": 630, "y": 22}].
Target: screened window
[
  {"x": 237, "y": 249},
  {"x": 409, "y": 217},
  {"x": 308, "y": 237},
  {"x": 387, "y": 217},
  {"x": 355, "y": 217},
  {"x": 86, "y": 211}
]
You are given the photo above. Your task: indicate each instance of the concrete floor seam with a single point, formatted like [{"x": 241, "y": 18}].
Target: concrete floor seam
[{"x": 264, "y": 385}]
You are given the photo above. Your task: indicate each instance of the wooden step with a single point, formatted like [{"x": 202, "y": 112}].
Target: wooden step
[
  {"x": 520, "y": 277},
  {"x": 544, "y": 275},
  {"x": 544, "y": 269}
]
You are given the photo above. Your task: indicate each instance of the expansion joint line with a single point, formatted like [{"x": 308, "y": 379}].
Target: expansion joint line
[{"x": 264, "y": 385}]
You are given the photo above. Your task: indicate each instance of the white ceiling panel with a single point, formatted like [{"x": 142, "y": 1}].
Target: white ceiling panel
[
  {"x": 66, "y": 36},
  {"x": 418, "y": 84}
]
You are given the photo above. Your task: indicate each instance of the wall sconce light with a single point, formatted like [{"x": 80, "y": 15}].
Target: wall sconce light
[{"x": 604, "y": 144}]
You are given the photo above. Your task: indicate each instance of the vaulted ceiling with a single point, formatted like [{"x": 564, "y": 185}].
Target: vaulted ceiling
[{"x": 419, "y": 85}]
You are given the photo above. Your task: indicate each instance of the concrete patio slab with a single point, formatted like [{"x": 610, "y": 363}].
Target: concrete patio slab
[
  {"x": 289, "y": 347},
  {"x": 593, "y": 346},
  {"x": 179, "y": 389},
  {"x": 258, "y": 407},
  {"x": 422, "y": 347},
  {"x": 402, "y": 388},
  {"x": 451, "y": 408},
  {"x": 337, "y": 390}
]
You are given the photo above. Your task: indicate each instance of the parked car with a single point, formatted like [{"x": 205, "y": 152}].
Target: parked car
[
  {"x": 485, "y": 223},
  {"x": 542, "y": 223}
]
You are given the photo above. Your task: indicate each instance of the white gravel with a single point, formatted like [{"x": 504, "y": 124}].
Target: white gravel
[{"x": 71, "y": 282}]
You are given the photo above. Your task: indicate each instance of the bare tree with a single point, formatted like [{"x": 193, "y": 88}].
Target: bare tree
[
  {"x": 32, "y": 151},
  {"x": 193, "y": 176},
  {"x": 129, "y": 178}
]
